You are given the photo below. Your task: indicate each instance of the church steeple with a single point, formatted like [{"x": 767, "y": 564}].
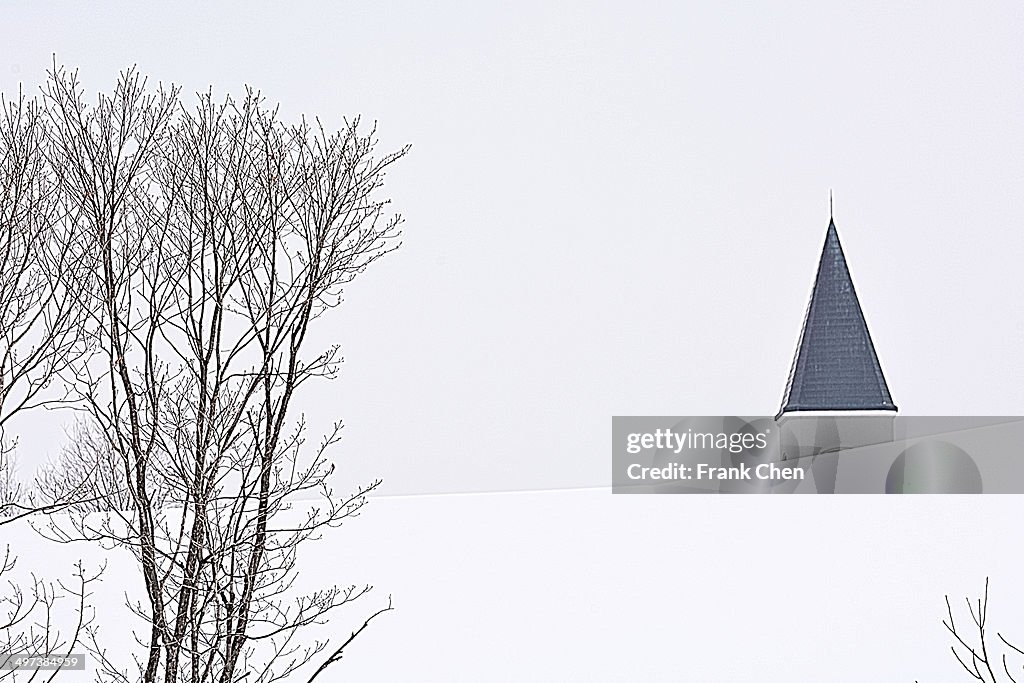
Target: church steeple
[{"x": 835, "y": 366}]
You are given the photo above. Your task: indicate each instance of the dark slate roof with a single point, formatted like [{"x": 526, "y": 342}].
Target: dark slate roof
[{"x": 835, "y": 366}]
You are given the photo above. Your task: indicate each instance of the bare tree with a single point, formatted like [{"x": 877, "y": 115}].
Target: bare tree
[
  {"x": 40, "y": 332},
  {"x": 40, "y": 335},
  {"x": 28, "y": 619},
  {"x": 37, "y": 332},
  {"x": 87, "y": 474},
  {"x": 10, "y": 488},
  {"x": 979, "y": 658},
  {"x": 220, "y": 236}
]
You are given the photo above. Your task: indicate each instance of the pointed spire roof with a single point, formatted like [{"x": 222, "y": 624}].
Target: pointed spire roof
[{"x": 835, "y": 366}]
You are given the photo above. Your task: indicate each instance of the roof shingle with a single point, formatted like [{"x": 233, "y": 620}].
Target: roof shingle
[{"x": 835, "y": 366}]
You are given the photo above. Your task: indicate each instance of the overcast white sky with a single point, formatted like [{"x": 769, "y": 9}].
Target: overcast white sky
[{"x": 618, "y": 209}]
